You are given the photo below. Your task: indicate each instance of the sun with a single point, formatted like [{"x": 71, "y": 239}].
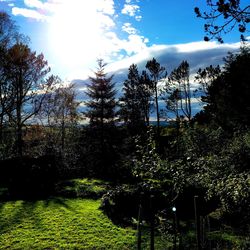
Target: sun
[{"x": 77, "y": 31}]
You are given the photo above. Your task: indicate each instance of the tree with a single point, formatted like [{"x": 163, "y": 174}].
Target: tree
[
  {"x": 24, "y": 71},
  {"x": 180, "y": 90},
  {"x": 172, "y": 102},
  {"x": 8, "y": 36},
  {"x": 224, "y": 16},
  {"x": 101, "y": 106},
  {"x": 228, "y": 95},
  {"x": 157, "y": 72},
  {"x": 101, "y": 113},
  {"x": 59, "y": 110},
  {"x": 8, "y": 31},
  {"x": 130, "y": 110},
  {"x": 146, "y": 91},
  {"x": 136, "y": 100},
  {"x": 204, "y": 77}
]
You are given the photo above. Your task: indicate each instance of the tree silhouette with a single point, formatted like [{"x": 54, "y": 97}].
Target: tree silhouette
[
  {"x": 157, "y": 73},
  {"x": 101, "y": 113},
  {"x": 228, "y": 95},
  {"x": 8, "y": 36},
  {"x": 24, "y": 71},
  {"x": 224, "y": 16},
  {"x": 101, "y": 106},
  {"x": 179, "y": 79},
  {"x": 135, "y": 100}
]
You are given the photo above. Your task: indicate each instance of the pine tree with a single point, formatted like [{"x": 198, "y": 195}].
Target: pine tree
[
  {"x": 131, "y": 104},
  {"x": 100, "y": 139},
  {"x": 100, "y": 90},
  {"x": 157, "y": 73}
]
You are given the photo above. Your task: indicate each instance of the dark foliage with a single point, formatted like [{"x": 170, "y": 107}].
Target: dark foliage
[
  {"x": 228, "y": 94},
  {"x": 28, "y": 177}
]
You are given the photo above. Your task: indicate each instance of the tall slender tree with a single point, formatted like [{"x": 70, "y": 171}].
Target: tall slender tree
[
  {"x": 179, "y": 79},
  {"x": 146, "y": 90},
  {"x": 157, "y": 73}
]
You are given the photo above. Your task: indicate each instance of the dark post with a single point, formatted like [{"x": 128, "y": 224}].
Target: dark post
[
  {"x": 175, "y": 226},
  {"x": 139, "y": 228},
  {"x": 152, "y": 225},
  {"x": 197, "y": 223}
]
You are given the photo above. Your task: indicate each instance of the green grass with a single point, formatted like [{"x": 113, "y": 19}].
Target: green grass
[
  {"x": 61, "y": 223},
  {"x": 83, "y": 188}
]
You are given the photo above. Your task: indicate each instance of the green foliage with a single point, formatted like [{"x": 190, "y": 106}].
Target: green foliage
[
  {"x": 148, "y": 167},
  {"x": 228, "y": 94}
]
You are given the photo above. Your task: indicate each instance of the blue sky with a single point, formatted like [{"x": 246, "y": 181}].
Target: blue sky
[{"x": 72, "y": 34}]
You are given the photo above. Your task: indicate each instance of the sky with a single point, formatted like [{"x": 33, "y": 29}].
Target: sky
[{"x": 72, "y": 34}]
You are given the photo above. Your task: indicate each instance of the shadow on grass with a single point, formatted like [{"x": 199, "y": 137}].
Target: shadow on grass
[{"x": 15, "y": 213}]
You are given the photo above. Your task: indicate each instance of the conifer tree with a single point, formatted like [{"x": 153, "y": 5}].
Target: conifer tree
[
  {"x": 131, "y": 101},
  {"x": 101, "y": 93},
  {"x": 157, "y": 73},
  {"x": 101, "y": 113}
]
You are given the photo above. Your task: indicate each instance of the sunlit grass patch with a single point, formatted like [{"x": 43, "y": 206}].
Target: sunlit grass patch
[
  {"x": 60, "y": 224},
  {"x": 84, "y": 188}
]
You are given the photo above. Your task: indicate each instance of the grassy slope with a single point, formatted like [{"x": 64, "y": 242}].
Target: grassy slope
[{"x": 60, "y": 224}]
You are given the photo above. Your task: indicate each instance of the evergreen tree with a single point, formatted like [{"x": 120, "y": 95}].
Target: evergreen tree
[
  {"x": 101, "y": 106},
  {"x": 228, "y": 95},
  {"x": 131, "y": 101},
  {"x": 100, "y": 137}
]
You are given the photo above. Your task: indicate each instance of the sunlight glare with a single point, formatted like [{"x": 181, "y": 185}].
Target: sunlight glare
[{"x": 76, "y": 32}]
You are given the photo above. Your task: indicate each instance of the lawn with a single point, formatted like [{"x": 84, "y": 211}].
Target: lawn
[
  {"x": 60, "y": 224},
  {"x": 71, "y": 220}
]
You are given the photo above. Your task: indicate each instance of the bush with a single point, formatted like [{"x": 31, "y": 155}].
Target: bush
[
  {"x": 31, "y": 177},
  {"x": 121, "y": 203}
]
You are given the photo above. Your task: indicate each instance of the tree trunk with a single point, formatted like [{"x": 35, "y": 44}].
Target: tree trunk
[{"x": 157, "y": 110}]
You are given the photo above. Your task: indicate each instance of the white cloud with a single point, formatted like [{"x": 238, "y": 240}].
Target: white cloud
[
  {"x": 33, "y": 4},
  {"x": 28, "y": 13},
  {"x": 106, "y": 7},
  {"x": 130, "y": 9},
  {"x": 138, "y": 18},
  {"x": 198, "y": 54},
  {"x": 127, "y": 27}
]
